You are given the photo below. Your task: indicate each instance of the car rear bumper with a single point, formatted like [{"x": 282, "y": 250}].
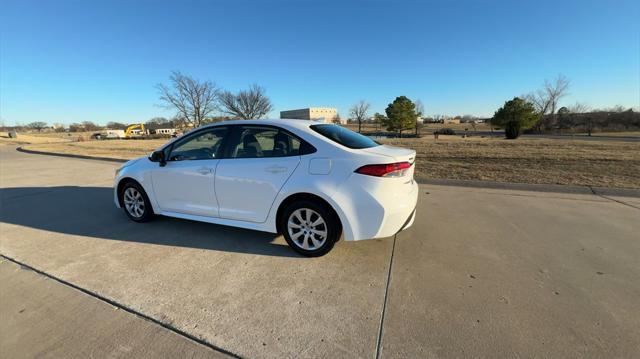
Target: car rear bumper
[
  {"x": 399, "y": 215},
  {"x": 379, "y": 207}
]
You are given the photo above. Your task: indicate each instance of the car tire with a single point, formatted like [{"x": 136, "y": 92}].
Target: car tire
[
  {"x": 135, "y": 202},
  {"x": 310, "y": 228}
]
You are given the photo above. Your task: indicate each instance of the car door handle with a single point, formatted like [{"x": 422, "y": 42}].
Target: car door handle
[
  {"x": 204, "y": 170},
  {"x": 276, "y": 169}
]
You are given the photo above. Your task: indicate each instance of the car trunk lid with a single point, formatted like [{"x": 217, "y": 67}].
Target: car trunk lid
[{"x": 397, "y": 154}]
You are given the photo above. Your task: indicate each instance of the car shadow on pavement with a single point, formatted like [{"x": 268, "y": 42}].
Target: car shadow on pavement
[{"x": 90, "y": 212}]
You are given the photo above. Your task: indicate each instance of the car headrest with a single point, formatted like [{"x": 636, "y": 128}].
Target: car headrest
[{"x": 251, "y": 146}]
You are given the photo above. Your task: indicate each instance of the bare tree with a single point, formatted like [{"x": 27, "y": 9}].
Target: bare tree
[
  {"x": 359, "y": 112},
  {"x": 247, "y": 105},
  {"x": 556, "y": 90},
  {"x": 179, "y": 123},
  {"x": 58, "y": 127},
  {"x": 540, "y": 101},
  {"x": 336, "y": 119},
  {"x": 579, "y": 107},
  {"x": 378, "y": 120},
  {"x": 545, "y": 100},
  {"x": 116, "y": 125},
  {"x": 587, "y": 119},
  {"x": 419, "y": 113},
  {"x": 90, "y": 126},
  {"x": 158, "y": 121},
  {"x": 439, "y": 118},
  {"x": 75, "y": 127},
  {"x": 38, "y": 125},
  {"x": 618, "y": 108},
  {"x": 193, "y": 100}
]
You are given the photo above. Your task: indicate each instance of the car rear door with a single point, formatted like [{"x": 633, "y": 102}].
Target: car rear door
[
  {"x": 259, "y": 161},
  {"x": 186, "y": 184}
]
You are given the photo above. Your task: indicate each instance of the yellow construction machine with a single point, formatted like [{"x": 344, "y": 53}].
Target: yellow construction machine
[{"x": 135, "y": 130}]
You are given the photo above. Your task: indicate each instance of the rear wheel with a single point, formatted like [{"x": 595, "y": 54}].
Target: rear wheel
[
  {"x": 135, "y": 202},
  {"x": 310, "y": 228}
]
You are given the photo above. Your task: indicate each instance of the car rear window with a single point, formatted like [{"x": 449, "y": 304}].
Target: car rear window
[{"x": 344, "y": 136}]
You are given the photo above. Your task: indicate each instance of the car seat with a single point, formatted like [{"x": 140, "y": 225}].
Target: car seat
[
  {"x": 281, "y": 144},
  {"x": 251, "y": 147}
]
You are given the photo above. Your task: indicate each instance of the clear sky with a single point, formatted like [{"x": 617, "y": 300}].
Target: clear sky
[{"x": 70, "y": 61}]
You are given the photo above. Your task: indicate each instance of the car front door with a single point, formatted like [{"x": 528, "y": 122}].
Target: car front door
[
  {"x": 259, "y": 161},
  {"x": 186, "y": 183}
]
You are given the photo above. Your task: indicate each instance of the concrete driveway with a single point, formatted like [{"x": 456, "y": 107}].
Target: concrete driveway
[{"x": 482, "y": 273}]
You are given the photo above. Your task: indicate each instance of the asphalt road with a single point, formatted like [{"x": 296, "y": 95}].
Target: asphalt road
[{"x": 482, "y": 273}]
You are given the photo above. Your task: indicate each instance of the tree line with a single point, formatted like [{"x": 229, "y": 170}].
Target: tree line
[
  {"x": 400, "y": 115},
  {"x": 196, "y": 103},
  {"x": 540, "y": 112}
]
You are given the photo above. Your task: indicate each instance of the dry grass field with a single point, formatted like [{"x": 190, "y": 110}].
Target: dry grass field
[{"x": 543, "y": 161}]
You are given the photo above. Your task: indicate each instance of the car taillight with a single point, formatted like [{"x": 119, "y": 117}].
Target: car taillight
[{"x": 386, "y": 170}]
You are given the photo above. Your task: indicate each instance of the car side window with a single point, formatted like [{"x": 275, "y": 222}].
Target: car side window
[
  {"x": 256, "y": 142},
  {"x": 206, "y": 145}
]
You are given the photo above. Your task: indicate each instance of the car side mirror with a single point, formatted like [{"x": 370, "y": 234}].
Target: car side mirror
[{"x": 158, "y": 156}]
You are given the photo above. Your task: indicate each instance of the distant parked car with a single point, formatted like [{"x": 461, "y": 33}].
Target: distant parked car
[
  {"x": 446, "y": 131},
  {"x": 309, "y": 181}
]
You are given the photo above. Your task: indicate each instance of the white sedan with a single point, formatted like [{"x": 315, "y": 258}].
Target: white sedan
[{"x": 310, "y": 181}]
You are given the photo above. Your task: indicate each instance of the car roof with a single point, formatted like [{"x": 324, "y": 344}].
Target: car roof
[
  {"x": 299, "y": 124},
  {"x": 288, "y": 124}
]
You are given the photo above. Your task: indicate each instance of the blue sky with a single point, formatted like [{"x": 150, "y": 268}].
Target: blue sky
[{"x": 70, "y": 61}]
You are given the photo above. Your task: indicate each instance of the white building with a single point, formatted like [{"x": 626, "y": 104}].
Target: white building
[
  {"x": 165, "y": 131},
  {"x": 324, "y": 114}
]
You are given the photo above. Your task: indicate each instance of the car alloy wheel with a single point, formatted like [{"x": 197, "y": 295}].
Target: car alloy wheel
[
  {"x": 134, "y": 202},
  {"x": 307, "y": 229}
]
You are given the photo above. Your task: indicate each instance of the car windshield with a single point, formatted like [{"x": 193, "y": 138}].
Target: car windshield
[{"x": 344, "y": 136}]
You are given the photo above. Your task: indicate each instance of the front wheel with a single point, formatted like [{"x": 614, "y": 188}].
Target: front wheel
[
  {"x": 135, "y": 202},
  {"x": 309, "y": 228}
]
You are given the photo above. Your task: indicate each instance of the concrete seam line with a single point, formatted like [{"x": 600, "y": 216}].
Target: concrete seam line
[
  {"x": 125, "y": 308},
  {"x": 384, "y": 304},
  {"x": 69, "y": 155},
  {"x": 611, "y": 199},
  {"x": 615, "y": 200}
]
